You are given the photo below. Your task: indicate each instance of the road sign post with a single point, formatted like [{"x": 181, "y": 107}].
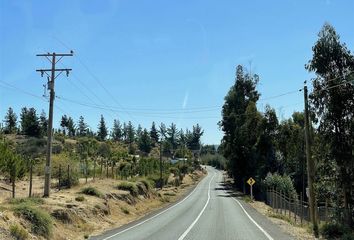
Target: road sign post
[{"x": 250, "y": 182}]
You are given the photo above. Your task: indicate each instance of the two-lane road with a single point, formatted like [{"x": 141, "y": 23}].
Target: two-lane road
[{"x": 207, "y": 213}]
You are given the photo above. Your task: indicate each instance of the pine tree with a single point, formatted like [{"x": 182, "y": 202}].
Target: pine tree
[
  {"x": 139, "y": 132},
  {"x": 64, "y": 124},
  {"x": 82, "y": 129},
  {"x": 117, "y": 132},
  {"x": 102, "y": 130},
  {"x": 43, "y": 123},
  {"x": 29, "y": 122},
  {"x": 71, "y": 127},
  {"x": 145, "y": 142},
  {"x": 154, "y": 133},
  {"x": 130, "y": 133},
  {"x": 10, "y": 121}
]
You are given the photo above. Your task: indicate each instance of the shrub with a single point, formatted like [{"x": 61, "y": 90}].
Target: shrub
[
  {"x": 80, "y": 198},
  {"x": 130, "y": 187},
  {"x": 333, "y": 230},
  {"x": 155, "y": 178},
  {"x": 91, "y": 191},
  {"x": 69, "y": 181},
  {"x": 281, "y": 183},
  {"x": 142, "y": 190},
  {"x": 41, "y": 221},
  {"x": 62, "y": 215},
  {"x": 18, "y": 232},
  {"x": 348, "y": 236},
  {"x": 147, "y": 183},
  {"x": 125, "y": 210}
]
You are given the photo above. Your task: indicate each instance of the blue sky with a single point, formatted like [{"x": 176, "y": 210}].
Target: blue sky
[{"x": 163, "y": 61}]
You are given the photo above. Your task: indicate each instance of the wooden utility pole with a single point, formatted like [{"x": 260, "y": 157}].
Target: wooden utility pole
[
  {"x": 161, "y": 164},
  {"x": 51, "y": 78},
  {"x": 310, "y": 167}
]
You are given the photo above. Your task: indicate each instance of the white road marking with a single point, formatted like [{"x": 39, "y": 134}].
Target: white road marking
[
  {"x": 252, "y": 220},
  {"x": 146, "y": 220},
  {"x": 200, "y": 214}
]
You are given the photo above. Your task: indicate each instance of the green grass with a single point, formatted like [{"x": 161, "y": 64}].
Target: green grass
[
  {"x": 18, "y": 232},
  {"x": 91, "y": 191},
  {"x": 247, "y": 199},
  {"x": 31, "y": 201},
  {"x": 130, "y": 187},
  {"x": 40, "y": 220}
]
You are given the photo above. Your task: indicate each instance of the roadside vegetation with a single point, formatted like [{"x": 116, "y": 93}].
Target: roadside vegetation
[
  {"x": 258, "y": 144},
  {"x": 126, "y": 157}
]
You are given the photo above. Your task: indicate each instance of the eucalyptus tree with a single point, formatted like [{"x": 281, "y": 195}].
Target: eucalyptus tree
[{"x": 332, "y": 99}]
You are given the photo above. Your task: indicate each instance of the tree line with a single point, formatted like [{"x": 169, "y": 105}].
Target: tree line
[
  {"x": 138, "y": 138},
  {"x": 256, "y": 144},
  {"x": 110, "y": 152}
]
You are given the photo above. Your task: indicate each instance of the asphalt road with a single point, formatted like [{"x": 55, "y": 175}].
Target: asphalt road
[{"x": 209, "y": 212}]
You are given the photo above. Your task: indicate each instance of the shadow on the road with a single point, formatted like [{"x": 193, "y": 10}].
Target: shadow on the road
[{"x": 229, "y": 190}]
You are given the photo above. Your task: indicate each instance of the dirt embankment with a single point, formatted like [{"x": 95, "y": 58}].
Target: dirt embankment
[{"x": 85, "y": 210}]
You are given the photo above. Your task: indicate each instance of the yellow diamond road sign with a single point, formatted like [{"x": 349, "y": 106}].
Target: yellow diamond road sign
[{"x": 251, "y": 181}]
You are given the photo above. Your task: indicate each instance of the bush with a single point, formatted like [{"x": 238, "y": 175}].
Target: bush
[
  {"x": 348, "y": 236},
  {"x": 125, "y": 210},
  {"x": 69, "y": 181},
  {"x": 147, "y": 183},
  {"x": 91, "y": 191},
  {"x": 333, "y": 230},
  {"x": 80, "y": 198},
  {"x": 130, "y": 187},
  {"x": 18, "y": 232},
  {"x": 280, "y": 183},
  {"x": 156, "y": 179},
  {"x": 41, "y": 221}
]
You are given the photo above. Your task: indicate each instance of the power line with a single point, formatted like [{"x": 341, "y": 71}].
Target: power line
[
  {"x": 95, "y": 77},
  {"x": 12, "y": 87}
]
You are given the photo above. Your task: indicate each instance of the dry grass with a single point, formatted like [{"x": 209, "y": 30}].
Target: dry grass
[
  {"x": 284, "y": 222},
  {"x": 93, "y": 215}
]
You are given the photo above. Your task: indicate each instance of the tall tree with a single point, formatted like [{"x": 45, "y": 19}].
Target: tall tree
[
  {"x": 130, "y": 133},
  {"x": 82, "y": 129},
  {"x": 71, "y": 127},
  {"x": 172, "y": 137},
  {"x": 117, "y": 133},
  {"x": 43, "y": 123},
  {"x": 64, "y": 124},
  {"x": 102, "y": 130},
  {"x": 139, "y": 132},
  {"x": 145, "y": 142},
  {"x": 10, "y": 121},
  {"x": 29, "y": 122},
  {"x": 239, "y": 123},
  {"x": 154, "y": 133},
  {"x": 333, "y": 102}
]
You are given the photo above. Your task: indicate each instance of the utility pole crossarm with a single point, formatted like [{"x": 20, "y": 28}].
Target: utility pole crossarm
[
  {"x": 56, "y": 54},
  {"x": 56, "y": 70}
]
